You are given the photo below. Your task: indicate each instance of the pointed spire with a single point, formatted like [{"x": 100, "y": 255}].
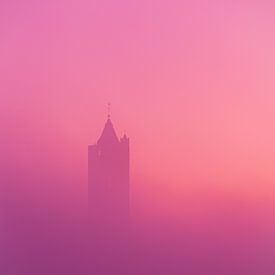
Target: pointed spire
[{"x": 108, "y": 134}]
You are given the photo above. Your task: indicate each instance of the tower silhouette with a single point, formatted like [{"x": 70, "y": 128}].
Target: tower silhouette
[{"x": 108, "y": 179}]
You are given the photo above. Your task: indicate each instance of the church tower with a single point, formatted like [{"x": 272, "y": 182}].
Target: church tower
[{"x": 108, "y": 179}]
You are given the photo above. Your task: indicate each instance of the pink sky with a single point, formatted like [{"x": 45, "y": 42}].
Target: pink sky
[{"x": 192, "y": 84}]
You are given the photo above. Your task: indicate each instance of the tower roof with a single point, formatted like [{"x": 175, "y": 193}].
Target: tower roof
[{"x": 108, "y": 134}]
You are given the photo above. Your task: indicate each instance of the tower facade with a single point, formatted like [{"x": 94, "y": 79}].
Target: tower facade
[{"x": 108, "y": 179}]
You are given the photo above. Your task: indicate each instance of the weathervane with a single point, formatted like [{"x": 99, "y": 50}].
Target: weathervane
[{"x": 109, "y": 107}]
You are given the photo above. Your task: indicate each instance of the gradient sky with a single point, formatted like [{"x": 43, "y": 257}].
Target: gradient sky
[{"x": 191, "y": 82}]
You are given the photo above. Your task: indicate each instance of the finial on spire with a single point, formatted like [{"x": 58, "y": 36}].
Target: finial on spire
[{"x": 109, "y": 107}]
